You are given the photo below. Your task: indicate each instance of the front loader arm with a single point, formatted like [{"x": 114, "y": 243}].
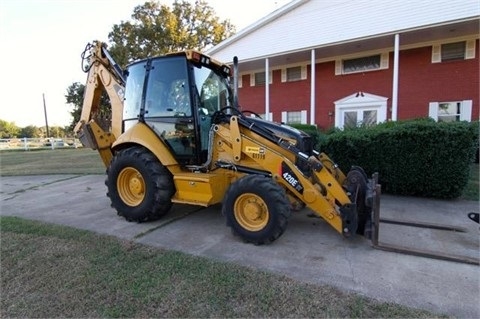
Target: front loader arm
[
  {"x": 321, "y": 191},
  {"x": 103, "y": 75}
]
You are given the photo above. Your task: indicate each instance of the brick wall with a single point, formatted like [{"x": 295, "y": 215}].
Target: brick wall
[{"x": 420, "y": 82}]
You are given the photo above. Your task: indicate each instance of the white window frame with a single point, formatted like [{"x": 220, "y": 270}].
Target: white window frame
[
  {"x": 303, "y": 117},
  {"x": 469, "y": 50},
  {"x": 465, "y": 109},
  {"x": 360, "y": 102},
  {"x": 384, "y": 63},
  {"x": 252, "y": 78},
  {"x": 240, "y": 80},
  {"x": 303, "y": 73}
]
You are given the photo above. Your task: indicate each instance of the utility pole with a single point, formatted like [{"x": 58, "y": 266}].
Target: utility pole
[{"x": 45, "y": 111}]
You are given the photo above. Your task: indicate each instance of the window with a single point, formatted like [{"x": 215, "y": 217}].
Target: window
[
  {"x": 455, "y": 51},
  {"x": 294, "y": 117},
  {"x": 258, "y": 78},
  {"x": 295, "y": 73},
  {"x": 362, "y": 64},
  {"x": 451, "y": 111}
]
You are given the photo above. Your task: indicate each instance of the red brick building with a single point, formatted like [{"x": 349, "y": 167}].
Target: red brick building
[{"x": 373, "y": 61}]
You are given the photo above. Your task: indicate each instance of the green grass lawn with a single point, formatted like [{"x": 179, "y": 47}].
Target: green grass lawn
[
  {"x": 55, "y": 271},
  {"x": 59, "y": 161}
]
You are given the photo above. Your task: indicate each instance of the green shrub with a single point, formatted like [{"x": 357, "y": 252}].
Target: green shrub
[{"x": 417, "y": 157}]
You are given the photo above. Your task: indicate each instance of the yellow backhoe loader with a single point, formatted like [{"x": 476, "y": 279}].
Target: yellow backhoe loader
[{"x": 178, "y": 136}]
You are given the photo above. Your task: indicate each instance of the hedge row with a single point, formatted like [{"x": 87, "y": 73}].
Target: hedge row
[{"x": 418, "y": 157}]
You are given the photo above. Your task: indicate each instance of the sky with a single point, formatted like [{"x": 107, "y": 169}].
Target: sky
[{"x": 41, "y": 42}]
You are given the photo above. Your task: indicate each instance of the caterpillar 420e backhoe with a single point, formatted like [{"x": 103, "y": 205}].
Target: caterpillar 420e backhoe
[{"x": 178, "y": 136}]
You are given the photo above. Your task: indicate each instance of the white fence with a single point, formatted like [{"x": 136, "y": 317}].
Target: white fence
[{"x": 38, "y": 143}]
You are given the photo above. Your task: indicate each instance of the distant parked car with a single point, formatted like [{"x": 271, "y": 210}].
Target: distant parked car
[{"x": 57, "y": 142}]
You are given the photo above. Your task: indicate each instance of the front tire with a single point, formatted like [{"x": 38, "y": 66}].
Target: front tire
[
  {"x": 139, "y": 186},
  {"x": 257, "y": 209}
]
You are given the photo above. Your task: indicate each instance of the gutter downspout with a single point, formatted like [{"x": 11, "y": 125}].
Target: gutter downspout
[{"x": 395, "y": 77}]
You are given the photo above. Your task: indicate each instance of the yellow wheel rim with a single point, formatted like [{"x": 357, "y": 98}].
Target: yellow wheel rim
[
  {"x": 251, "y": 212},
  {"x": 131, "y": 186}
]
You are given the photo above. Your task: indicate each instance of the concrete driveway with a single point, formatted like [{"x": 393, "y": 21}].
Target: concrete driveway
[{"x": 308, "y": 251}]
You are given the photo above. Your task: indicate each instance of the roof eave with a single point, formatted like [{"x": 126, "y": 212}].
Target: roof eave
[{"x": 256, "y": 25}]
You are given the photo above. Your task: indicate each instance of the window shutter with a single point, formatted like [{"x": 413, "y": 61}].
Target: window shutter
[
  {"x": 252, "y": 79},
  {"x": 284, "y": 117},
  {"x": 303, "y": 116},
  {"x": 384, "y": 60},
  {"x": 433, "y": 110},
  {"x": 304, "y": 72},
  {"x": 436, "y": 53},
  {"x": 284, "y": 75},
  {"x": 466, "y": 111},
  {"x": 270, "y": 77},
  {"x": 338, "y": 67},
  {"x": 240, "y": 81},
  {"x": 470, "y": 49}
]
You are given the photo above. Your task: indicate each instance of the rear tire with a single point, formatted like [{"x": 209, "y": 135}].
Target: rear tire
[
  {"x": 257, "y": 209},
  {"x": 139, "y": 187}
]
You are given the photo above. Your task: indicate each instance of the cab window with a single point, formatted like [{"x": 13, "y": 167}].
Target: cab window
[{"x": 167, "y": 89}]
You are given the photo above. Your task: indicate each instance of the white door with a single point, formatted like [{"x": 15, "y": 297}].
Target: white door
[
  {"x": 360, "y": 109},
  {"x": 358, "y": 117}
]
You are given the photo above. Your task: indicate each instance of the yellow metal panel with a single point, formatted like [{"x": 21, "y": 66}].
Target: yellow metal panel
[
  {"x": 332, "y": 168},
  {"x": 236, "y": 139},
  {"x": 141, "y": 134},
  {"x": 202, "y": 189}
]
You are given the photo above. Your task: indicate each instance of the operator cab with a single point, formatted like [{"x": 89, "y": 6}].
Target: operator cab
[{"x": 176, "y": 96}]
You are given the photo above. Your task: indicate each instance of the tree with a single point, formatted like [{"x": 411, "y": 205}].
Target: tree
[
  {"x": 30, "y": 131},
  {"x": 155, "y": 29},
  {"x": 57, "y": 131},
  {"x": 8, "y": 129}
]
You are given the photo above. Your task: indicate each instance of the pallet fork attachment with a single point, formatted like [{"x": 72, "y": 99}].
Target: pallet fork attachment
[{"x": 376, "y": 221}]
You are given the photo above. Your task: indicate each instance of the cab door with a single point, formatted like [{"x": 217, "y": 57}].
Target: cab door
[{"x": 168, "y": 107}]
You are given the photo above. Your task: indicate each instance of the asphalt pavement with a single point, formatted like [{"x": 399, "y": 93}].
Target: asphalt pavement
[{"x": 309, "y": 250}]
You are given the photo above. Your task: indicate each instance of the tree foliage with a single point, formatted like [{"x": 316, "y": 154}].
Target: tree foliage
[
  {"x": 8, "y": 129},
  {"x": 30, "y": 131},
  {"x": 74, "y": 98},
  {"x": 156, "y": 29}
]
